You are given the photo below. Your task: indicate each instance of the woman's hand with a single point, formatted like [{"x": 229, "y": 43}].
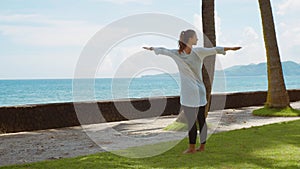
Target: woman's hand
[
  {"x": 148, "y": 48},
  {"x": 232, "y": 48}
]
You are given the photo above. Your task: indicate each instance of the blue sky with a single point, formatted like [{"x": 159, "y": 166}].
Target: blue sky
[{"x": 44, "y": 39}]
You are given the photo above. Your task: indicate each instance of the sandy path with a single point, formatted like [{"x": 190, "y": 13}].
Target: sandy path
[{"x": 23, "y": 147}]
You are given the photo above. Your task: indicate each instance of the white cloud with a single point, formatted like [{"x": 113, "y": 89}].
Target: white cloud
[
  {"x": 287, "y": 6},
  {"x": 289, "y": 23},
  {"x": 251, "y": 39},
  {"x": 253, "y": 46},
  {"x": 38, "y": 65},
  {"x": 290, "y": 33},
  {"x": 126, "y": 59},
  {"x": 198, "y": 24},
  {"x": 252, "y": 49},
  {"x": 250, "y": 33},
  {"x": 288, "y": 29},
  {"x": 114, "y": 59},
  {"x": 289, "y": 41},
  {"x": 40, "y": 30},
  {"x": 198, "y": 21},
  {"x": 218, "y": 27},
  {"x": 19, "y": 17},
  {"x": 129, "y": 57}
]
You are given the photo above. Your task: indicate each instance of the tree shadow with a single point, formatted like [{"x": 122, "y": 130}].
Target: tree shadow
[{"x": 235, "y": 149}]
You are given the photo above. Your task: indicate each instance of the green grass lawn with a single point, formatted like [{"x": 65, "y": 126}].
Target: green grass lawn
[
  {"x": 177, "y": 126},
  {"x": 270, "y": 146},
  {"x": 285, "y": 112}
]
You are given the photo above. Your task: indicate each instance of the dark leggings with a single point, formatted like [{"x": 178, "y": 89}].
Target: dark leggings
[{"x": 191, "y": 113}]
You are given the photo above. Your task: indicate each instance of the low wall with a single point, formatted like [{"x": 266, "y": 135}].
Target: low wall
[{"x": 57, "y": 115}]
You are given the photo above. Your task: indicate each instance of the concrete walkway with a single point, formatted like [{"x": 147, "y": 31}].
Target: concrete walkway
[{"x": 24, "y": 147}]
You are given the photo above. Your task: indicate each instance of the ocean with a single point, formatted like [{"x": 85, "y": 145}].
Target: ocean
[{"x": 22, "y": 92}]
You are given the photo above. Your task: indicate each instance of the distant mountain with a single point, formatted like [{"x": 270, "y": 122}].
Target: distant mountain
[
  {"x": 289, "y": 69},
  {"x": 161, "y": 75}
]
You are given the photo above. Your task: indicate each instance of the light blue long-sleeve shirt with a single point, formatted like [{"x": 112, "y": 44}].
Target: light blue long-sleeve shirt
[{"x": 193, "y": 92}]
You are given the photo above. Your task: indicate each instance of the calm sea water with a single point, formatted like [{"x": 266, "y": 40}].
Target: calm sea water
[{"x": 20, "y": 92}]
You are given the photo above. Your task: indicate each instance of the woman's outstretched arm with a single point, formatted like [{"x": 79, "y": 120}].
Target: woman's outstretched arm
[
  {"x": 203, "y": 52},
  {"x": 148, "y": 48},
  {"x": 161, "y": 50},
  {"x": 232, "y": 48}
]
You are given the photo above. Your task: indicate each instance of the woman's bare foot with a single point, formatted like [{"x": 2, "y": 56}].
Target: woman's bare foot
[
  {"x": 201, "y": 148},
  {"x": 191, "y": 149}
]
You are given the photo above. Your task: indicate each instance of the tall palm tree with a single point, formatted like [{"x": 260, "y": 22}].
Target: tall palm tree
[
  {"x": 277, "y": 94},
  {"x": 209, "y": 37}
]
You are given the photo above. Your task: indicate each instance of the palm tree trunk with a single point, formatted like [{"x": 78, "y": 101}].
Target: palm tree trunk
[
  {"x": 209, "y": 37},
  {"x": 277, "y": 95}
]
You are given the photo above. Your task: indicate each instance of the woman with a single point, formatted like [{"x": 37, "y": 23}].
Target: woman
[{"x": 193, "y": 93}]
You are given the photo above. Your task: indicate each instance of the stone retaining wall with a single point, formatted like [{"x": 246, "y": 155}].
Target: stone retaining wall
[{"x": 57, "y": 115}]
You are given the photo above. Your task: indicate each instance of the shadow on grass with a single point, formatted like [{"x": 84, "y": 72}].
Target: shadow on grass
[{"x": 259, "y": 147}]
